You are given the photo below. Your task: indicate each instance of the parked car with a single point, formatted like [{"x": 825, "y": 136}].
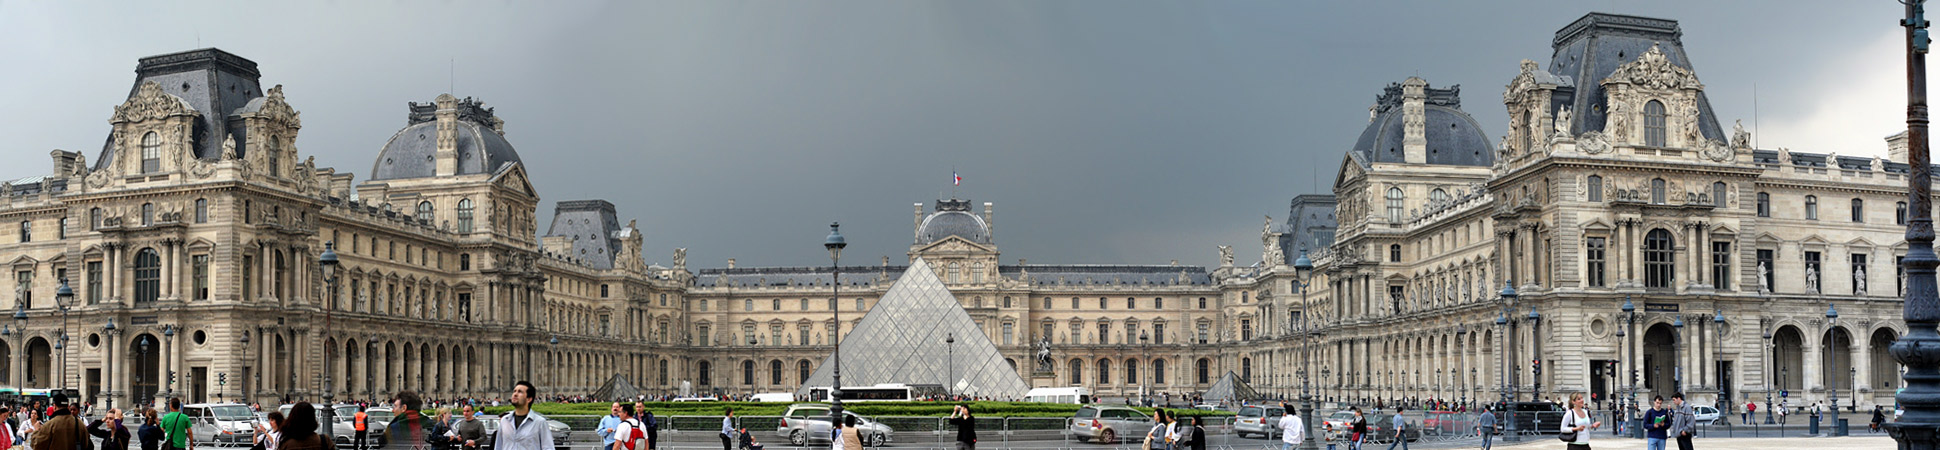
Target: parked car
[
  {"x": 1207, "y": 407},
  {"x": 1542, "y": 417},
  {"x": 1258, "y": 419},
  {"x": 222, "y": 424},
  {"x": 562, "y": 434},
  {"x": 1706, "y": 415},
  {"x": 1378, "y": 429},
  {"x": 1446, "y": 422},
  {"x": 1339, "y": 420},
  {"x": 806, "y": 423},
  {"x": 1107, "y": 424},
  {"x": 344, "y": 430}
]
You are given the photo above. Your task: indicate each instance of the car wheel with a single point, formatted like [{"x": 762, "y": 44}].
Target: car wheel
[
  {"x": 1110, "y": 437},
  {"x": 798, "y": 438},
  {"x": 874, "y": 440}
]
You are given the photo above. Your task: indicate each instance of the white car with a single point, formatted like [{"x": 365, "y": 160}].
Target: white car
[{"x": 1706, "y": 415}]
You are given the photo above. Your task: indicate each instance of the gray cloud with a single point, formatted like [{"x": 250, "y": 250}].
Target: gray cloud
[{"x": 1134, "y": 132}]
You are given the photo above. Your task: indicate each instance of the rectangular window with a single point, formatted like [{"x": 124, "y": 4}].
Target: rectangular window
[
  {"x": 249, "y": 272},
  {"x": 858, "y": 304},
  {"x": 747, "y": 304},
  {"x": 603, "y": 291},
  {"x": 1131, "y": 303},
  {"x": 1766, "y": 258},
  {"x": 1074, "y": 303},
  {"x": 1721, "y": 265},
  {"x": 1010, "y": 330},
  {"x": 703, "y": 304},
  {"x": 1594, "y": 251},
  {"x": 707, "y": 339},
  {"x": 1202, "y": 303},
  {"x": 1245, "y": 330},
  {"x": 1158, "y": 333},
  {"x": 1860, "y": 272},
  {"x": 1814, "y": 274},
  {"x": 200, "y": 265},
  {"x": 804, "y": 304},
  {"x": 1158, "y": 303},
  {"x": 25, "y": 288},
  {"x": 465, "y": 306},
  {"x": 94, "y": 282},
  {"x": 1204, "y": 330},
  {"x": 1104, "y": 332},
  {"x": 1046, "y": 331}
]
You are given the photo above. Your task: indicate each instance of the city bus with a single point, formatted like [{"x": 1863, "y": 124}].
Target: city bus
[{"x": 877, "y": 393}]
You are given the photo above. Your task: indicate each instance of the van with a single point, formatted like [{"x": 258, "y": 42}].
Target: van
[
  {"x": 1067, "y": 395},
  {"x": 698, "y": 399},
  {"x": 222, "y": 424},
  {"x": 774, "y": 397}
]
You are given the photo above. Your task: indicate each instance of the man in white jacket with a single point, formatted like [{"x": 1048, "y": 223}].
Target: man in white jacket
[
  {"x": 523, "y": 428},
  {"x": 1292, "y": 430}
]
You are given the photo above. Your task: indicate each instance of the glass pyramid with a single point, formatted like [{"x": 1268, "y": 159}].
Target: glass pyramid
[
  {"x": 1230, "y": 388},
  {"x": 901, "y": 341}
]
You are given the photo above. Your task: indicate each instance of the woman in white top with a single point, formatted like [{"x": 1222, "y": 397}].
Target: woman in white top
[
  {"x": 272, "y": 435},
  {"x": 1577, "y": 419}
]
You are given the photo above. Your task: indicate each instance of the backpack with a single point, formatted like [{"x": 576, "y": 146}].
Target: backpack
[{"x": 636, "y": 432}]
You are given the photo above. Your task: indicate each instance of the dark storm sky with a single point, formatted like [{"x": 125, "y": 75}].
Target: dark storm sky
[{"x": 1105, "y": 131}]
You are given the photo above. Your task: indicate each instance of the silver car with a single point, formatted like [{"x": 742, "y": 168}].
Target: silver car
[
  {"x": 1260, "y": 420},
  {"x": 344, "y": 431},
  {"x": 222, "y": 424},
  {"x": 810, "y": 422},
  {"x": 1108, "y": 424}
]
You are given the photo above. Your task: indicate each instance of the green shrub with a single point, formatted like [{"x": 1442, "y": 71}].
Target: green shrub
[{"x": 871, "y": 409}]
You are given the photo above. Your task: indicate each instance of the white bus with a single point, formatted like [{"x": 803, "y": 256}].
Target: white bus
[
  {"x": 877, "y": 393},
  {"x": 1071, "y": 395}
]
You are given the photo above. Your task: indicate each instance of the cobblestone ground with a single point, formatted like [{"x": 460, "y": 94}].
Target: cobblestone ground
[{"x": 1815, "y": 443}]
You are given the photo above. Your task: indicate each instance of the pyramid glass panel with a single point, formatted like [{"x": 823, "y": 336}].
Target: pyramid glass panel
[{"x": 901, "y": 341}]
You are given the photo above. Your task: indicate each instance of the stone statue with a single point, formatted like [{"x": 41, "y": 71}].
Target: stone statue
[
  {"x": 1811, "y": 280},
  {"x": 1858, "y": 281},
  {"x": 1044, "y": 355},
  {"x": 1226, "y": 255},
  {"x": 1902, "y": 284},
  {"x": 1739, "y": 137},
  {"x": 1763, "y": 274},
  {"x": 680, "y": 257},
  {"x": 1563, "y": 122},
  {"x": 1619, "y": 124}
]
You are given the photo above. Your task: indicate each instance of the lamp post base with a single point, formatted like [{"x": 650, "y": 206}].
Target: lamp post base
[{"x": 1915, "y": 436}]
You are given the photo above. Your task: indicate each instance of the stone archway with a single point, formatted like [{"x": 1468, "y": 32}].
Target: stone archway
[
  {"x": 1788, "y": 358},
  {"x": 1660, "y": 359},
  {"x": 146, "y": 363}
]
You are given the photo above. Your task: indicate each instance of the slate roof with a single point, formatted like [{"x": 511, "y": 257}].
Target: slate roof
[
  {"x": 1453, "y": 137},
  {"x": 1310, "y": 225},
  {"x": 594, "y": 227},
  {"x": 1592, "y": 47},
  {"x": 216, "y": 83},
  {"x": 410, "y": 152}
]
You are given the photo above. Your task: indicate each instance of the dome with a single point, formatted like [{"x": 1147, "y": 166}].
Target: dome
[
  {"x": 412, "y": 151},
  {"x": 1452, "y": 136},
  {"x": 953, "y": 218}
]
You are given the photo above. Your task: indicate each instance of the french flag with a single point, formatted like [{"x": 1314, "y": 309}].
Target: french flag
[{"x": 957, "y": 179}]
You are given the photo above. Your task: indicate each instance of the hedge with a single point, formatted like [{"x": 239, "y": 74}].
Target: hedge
[{"x": 872, "y": 409}]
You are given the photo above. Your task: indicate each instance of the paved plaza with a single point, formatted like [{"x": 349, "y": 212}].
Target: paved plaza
[{"x": 1878, "y": 441}]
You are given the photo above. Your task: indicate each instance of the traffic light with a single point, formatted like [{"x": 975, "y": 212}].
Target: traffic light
[
  {"x": 1537, "y": 365},
  {"x": 222, "y": 378},
  {"x": 171, "y": 377}
]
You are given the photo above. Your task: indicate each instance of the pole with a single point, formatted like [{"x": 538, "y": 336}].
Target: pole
[
  {"x": 834, "y": 244},
  {"x": 1919, "y": 349}
]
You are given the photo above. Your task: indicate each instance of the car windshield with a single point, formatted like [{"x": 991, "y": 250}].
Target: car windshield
[
  {"x": 1086, "y": 413},
  {"x": 1250, "y": 411},
  {"x": 1342, "y": 416},
  {"x": 344, "y": 412},
  {"x": 232, "y": 412},
  {"x": 382, "y": 416}
]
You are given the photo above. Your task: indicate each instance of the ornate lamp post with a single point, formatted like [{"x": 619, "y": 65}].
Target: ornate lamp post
[
  {"x": 1461, "y": 384},
  {"x": 327, "y": 262},
  {"x": 1536, "y": 371},
  {"x": 246, "y": 372},
  {"x": 1832, "y": 391},
  {"x": 1768, "y": 386},
  {"x": 1630, "y": 383},
  {"x": 20, "y": 326},
  {"x": 108, "y": 332},
  {"x": 1919, "y": 349},
  {"x": 1677, "y": 340},
  {"x": 552, "y": 346},
  {"x": 142, "y": 355},
  {"x": 1508, "y": 295},
  {"x": 63, "y": 296},
  {"x": 834, "y": 243},
  {"x": 168, "y": 332},
  {"x": 1717, "y": 352},
  {"x": 950, "y": 365}
]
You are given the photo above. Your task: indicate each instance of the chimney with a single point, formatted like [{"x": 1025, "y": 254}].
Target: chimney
[
  {"x": 447, "y": 117},
  {"x": 989, "y": 222},
  {"x": 919, "y": 222},
  {"x": 1414, "y": 120},
  {"x": 1896, "y": 147},
  {"x": 65, "y": 163},
  {"x": 730, "y": 263}
]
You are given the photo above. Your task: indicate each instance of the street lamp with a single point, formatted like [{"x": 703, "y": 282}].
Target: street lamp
[
  {"x": 950, "y": 365},
  {"x": 834, "y": 243},
  {"x": 1677, "y": 346},
  {"x": 1717, "y": 351},
  {"x": 1508, "y": 295},
  {"x": 142, "y": 356},
  {"x": 63, "y": 296},
  {"x": 168, "y": 331},
  {"x": 1536, "y": 377},
  {"x": 1919, "y": 349},
  {"x": 552, "y": 346},
  {"x": 109, "y": 364},
  {"x": 1461, "y": 385},
  {"x": 245, "y": 360},
  {"x": 1768, "y": 386},
  {"x": 327, "y": 263},
  {"x": 1145, "y": 350},
  {"x": 1832, "y": 391}
]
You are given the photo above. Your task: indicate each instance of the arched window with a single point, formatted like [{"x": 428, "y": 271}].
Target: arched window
[
  {"x": 1654, "y": 124},
  {"x": 424, "y": 211},
  {"x": 148, "y": 275},
  {"x": 1657, "y": 191},
  {"x": 151, "y": 153},
  {"x": 1204, "y": 370},
  {"x": 774, "y": 372},
  {"x": 1899, "y": 213},
  {"x": 1659, "y": 260},
  {"x": 1528, "y": 130},
  {"x": 1811, "y": 207},
  {"x": 1858, "y": 211},
  {"x": 1394, "y": 204},
  {"x": 1718, "y": 193},
  {"x": 201, "y": 210},
  {"x": 747, "y": 372},
  {"x": 1596, "y": 188},
  {"x": 274, "y": 156},
  {"x": 465, "y": 215},
  {"x": 1438, "y": 195},
  {"x": 1764, "y": 205},
  {"x": 1077, "y": 372},
  {"x": 1104, "y": 371},
  {"x": 1246, "y": 370}
]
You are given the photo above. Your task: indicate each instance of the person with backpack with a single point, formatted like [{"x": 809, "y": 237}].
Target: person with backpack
[
  {"x": 628, "y": 434},
  {"x": 652, "y": 423}
]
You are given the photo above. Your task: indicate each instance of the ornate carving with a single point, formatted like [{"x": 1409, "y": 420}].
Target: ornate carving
[
  {"x": 1225, "y": 258},
  {"x": 1739, "y": 137},
  {"x": 277, "y": 110},
  {"x": 1652, "y": 70},
  {"x": 1593, "y": 142},
  {"x": 1619, "y": 123},
  {"x": 149, "y": 102},
  {"x": 1717, "y": 151},
  {"x": 229, "y": 148},
  {"x": 1687, "y": 108},
  {"x": 1562, "y": 123}
]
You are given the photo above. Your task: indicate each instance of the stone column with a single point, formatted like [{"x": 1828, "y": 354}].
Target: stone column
[
  {"x": 114, "y": 273},
  {"x": 1814, "y": 362},
  {"x": 1862, "y": 360}
]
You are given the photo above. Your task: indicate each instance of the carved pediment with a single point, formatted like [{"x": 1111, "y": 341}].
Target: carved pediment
[
  {"x": 277, "y": 110},
  {"x": 1654, "y": 70},
  {"x": 149, "y": 102},
  {"x": 954, "y": 243}
]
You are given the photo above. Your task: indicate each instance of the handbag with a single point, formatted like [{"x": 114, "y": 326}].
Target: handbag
[{"x": 1568, "y": 436}]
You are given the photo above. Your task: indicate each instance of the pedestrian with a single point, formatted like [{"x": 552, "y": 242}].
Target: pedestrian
[
  {"x": 32, "y": 425},
  {"x": 1184, "y": 437},
  {"x": 1782, "y": 411},
  {"x": 629, "y": 434},
  {"x": 652, "y": 423},
  {"x": 727, "y": 430},
  {"x": 360, "y": 426},
  {"x": 438, "y": 431},
  {"x": 1879, "y": 417},
  {"x": 1751, "y": 412},
  {"x": 267, "y": 437},
  {"x": 966, "y": 424},
  {"x": 1357, "y": 430},
  {"x": 1198, "y": 440},
  {"x": 851, "y": 437},
  {"x": 1486, "y": 427},
  {"x": 300, "y": 430},
  {"x": 6, "y": 429},
  {"x": 522, "y": 428},
  {"x": 609, "y": 424},
  {"x": 150, "y": 432},
  {"x": 1171, "y": 433},
  {"x": 1684, "y": 423},
  {"x": 177, "y": 428},
  {"x": 108, "y": 428},
  {"x": 1577, "y": 420},
  {"x": 1657, "y": 424},
  {"x": 63, "y": 429},
  {"x": 1400, "y": 427},
  {"x": 1292, "y": 430},
  {"x": 468, "y": 430},
  {"x": 409, "y": 428}
]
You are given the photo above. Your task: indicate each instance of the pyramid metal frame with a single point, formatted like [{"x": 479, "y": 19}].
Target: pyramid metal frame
[
  {"x": 1230, "y": 387},
  {"x": 901, "y": 340},
  {"x": 616, "y": 388}
]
